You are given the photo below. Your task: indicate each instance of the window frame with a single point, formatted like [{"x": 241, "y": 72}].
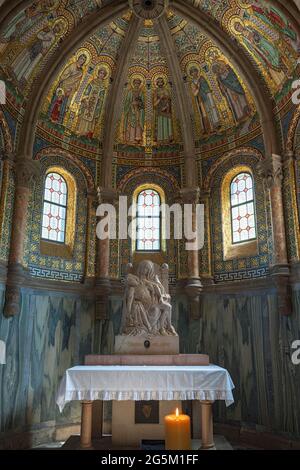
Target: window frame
[
  {"x": 53, "y": 248},
  {"x": 48, "y": 240},
  {"x": 244, "y": 249},
  {"x": 138, "y": 217},
  {"x": 253, "y": 201}
]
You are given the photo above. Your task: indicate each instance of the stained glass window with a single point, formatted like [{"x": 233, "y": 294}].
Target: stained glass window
[
  {"x": 148, "y": 221},
  {"x": 243, "y": 220},
  {"x": 55, "y": 208}
]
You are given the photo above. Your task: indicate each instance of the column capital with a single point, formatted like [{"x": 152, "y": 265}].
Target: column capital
[
  {"x": 107, "y": 195},
  {"x": 27, "y": 171},
  {"x": 190, "y": 195},
  {"x": 271, "y": 170}
]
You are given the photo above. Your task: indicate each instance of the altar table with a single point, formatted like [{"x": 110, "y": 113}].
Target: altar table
[{"x": 138, "y": 383}]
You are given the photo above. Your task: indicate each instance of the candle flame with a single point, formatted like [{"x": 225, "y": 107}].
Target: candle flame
[{"x": 177, "y": 412}]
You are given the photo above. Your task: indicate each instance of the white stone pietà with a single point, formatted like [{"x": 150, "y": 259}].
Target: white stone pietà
[{"x": 147, "y": 310}]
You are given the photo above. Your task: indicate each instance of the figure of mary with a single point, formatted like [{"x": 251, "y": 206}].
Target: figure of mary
[
  {"x": 146, "y": 307},
  {"x": 92, "y": 105},
  {"x": 232, "y": 90}
]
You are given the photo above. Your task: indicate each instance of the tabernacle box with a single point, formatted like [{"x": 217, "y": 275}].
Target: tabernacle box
[{"x": 157, "y": 360}]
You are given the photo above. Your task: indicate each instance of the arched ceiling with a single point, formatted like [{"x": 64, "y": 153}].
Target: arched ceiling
[{"x": 219, "y": 100}]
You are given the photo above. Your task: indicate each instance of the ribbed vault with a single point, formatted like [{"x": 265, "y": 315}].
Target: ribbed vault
[{"x": 238, "y": 60}]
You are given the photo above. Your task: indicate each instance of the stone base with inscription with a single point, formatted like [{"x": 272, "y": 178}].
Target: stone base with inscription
[{"x": 157, "y": 345}]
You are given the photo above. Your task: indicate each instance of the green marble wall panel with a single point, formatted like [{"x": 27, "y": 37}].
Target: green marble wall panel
[{"x": 52, "y": 333}]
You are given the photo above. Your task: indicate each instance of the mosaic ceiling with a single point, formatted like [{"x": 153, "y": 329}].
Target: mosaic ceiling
[{"x": 220, "y": 101}]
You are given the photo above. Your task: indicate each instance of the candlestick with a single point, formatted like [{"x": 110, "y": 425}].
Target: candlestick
[{"x": 178, "y": 432}]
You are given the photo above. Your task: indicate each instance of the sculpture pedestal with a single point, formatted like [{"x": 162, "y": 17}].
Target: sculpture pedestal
[
  {"x": 124, "y": 411},
  {"x": 141, "y": 345}
]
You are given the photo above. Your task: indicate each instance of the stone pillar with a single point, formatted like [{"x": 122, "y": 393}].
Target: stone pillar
[
  {"x": 26, "y": 170},
  {"x": 103, "y": 285},
  {"x": 271, "y": 171},
  {"x": 86, "y": 424},
  {"x": 207, "y": 425},
  {"x": 194, "y": 286}
]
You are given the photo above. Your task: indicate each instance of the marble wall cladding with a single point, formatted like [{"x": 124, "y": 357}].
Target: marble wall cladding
[
  {"x": 247, "y": 336},
  {"x": 52, "y": 333},
  {"x": 243, "y": 333}
]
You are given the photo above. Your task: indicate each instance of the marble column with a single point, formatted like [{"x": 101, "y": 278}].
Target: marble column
[
  {"x": 86, "y": 424},
  {"x": 271, "y": 170},
  {"x": 207, "y": 425},
  {"x": 26, "y": 170},
  {"x": 103, "y": 285},
  {"x": 193, "y": 287}
]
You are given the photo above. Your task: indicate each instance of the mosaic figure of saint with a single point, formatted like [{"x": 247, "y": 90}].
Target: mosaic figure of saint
[
  {"x": 274, "y": 18},
  {"x": 162, "y": 103},
  {"x": 134, "y": 113},
  {"x": 82, "y": 8},
  {"x": 284, "y": 36},
  {"x": 92, "y": 104},
  {"x": 232, "y": 90},
  {"x": 209, "y": 113},
  {"x": 29, "y": 58},
  {"x": 28, "y": 19},
  {"x": 266, "y": 52},
  {"x": 69, "y": 83}
]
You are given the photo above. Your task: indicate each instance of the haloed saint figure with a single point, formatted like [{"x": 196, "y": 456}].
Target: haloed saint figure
[
  {"x": 162, "y": 103},
  {"x": 134, "y": 113}
]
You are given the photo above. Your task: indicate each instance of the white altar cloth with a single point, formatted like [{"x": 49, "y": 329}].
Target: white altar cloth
[{"x": 139, "y": 383}]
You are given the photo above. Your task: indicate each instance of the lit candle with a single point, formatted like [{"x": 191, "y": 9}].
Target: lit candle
[{"x": 178, "y": 432}]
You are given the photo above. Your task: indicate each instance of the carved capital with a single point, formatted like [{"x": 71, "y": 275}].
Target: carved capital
[
  {"x": 107, "y": 196},
  {"x": 26, "y": 172},
  {"x": 271, "y": 170},
  {"x": 190, "y": 195}
]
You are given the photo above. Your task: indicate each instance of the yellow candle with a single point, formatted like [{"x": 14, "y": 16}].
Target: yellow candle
[{"x": 178, "y": 432}]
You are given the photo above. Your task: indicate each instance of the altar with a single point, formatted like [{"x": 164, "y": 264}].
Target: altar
[{"x": 129, "y": 383}]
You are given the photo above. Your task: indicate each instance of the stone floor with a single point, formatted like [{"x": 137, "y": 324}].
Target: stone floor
[{"x": 73, "y": 443}]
